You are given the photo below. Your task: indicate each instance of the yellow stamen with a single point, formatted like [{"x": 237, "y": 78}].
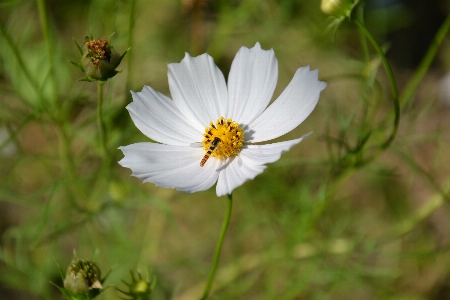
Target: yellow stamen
[{"x": 224, "y": 137}]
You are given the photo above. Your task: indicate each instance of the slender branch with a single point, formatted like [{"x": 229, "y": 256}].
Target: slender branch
[
  {"x": 20, "y": 60},
  {"x": 212, "y": 274},
  {"x": 13, "y": 135},
  {"x": 48, "y": 43},
  {"x": 364, "y": 46},
  {"x": 434, "y": 202},
  {"x": 130, "y": 42},
  {"x": 413, "y": 83},
  {"x": 74, "y": 190},
  {"x": 100, "y": 123},
  {"x": 392, "y": 82}
]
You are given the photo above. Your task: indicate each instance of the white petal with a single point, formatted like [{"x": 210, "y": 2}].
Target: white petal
[
  {"x": 291, "y": 108},
  {"x": 198, "y": 88},
  {"x": 234, "y": 175},
  {"x": 157, "y": 116},
  {"x": 171, "y": 166},
  {"x": 253, "y": 160},
  {"x": 251, "y": 82},
  {"x": 269, "y": 153}
]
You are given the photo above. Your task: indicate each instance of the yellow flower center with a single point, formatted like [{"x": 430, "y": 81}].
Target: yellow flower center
[{"x": 222, "y": 139}]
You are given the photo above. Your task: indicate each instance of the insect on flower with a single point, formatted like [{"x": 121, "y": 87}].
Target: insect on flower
[
  {"x": 213, "y": 146},
  {"x": 222, "y": 122}
]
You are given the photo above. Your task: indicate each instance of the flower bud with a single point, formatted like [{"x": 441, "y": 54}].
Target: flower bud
[
  {"x": 99, "y": 59},
  {"x": 337, "y": 8},
  {"x": 81, "y": 277},
  {"x": 139, "y": 289}
]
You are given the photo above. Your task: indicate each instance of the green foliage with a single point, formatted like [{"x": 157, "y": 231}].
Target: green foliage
[{"x": 359, "y": 210}]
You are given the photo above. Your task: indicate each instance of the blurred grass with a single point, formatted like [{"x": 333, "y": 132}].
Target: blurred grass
[{"x": 314, "y": 225}]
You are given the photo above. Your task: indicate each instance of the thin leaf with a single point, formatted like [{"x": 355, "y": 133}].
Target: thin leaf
[
  {"x": 78, "y": 46},
  {"x": 77, "y": 65}
]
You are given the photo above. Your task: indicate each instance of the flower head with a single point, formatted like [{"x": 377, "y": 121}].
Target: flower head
[
  {"x": 99, "y": 59},
  {"x": 206, "y": 134}
]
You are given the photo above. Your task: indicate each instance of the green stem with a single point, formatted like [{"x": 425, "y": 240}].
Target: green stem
[
  {"x": 130, "y": 41},
  {"x": 392, "y": 82},
  {"x": 413, "y": 83},
  {"x": 364, "y": 46},
  {"x": 434, "y": 202},
  {"x": 74, "y": 190},
  {"x": 48, "y": 43},
  {"x": 20, "y": 60},
  {"x": 225, "y": 223},
  {"x": 100, "y": 124},
  {"x": 14, "y": 133}
]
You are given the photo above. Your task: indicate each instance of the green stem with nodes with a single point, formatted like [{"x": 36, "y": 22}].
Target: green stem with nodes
[
  {"x": 48, "y": 43},
  {"x": 413, "y": 83},
  {"x": 392, "y": 82},
  {"x": 100, "y": 124},
  {"x": 225, "y": 223}
]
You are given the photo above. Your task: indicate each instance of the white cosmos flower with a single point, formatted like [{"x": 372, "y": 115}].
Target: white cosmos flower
[{"x": 207, "y": 118}]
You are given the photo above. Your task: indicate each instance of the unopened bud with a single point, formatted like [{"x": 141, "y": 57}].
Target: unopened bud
[
  {"x": 81, "y": 277},
  {"x": 337, "y": 8},
  {"x": 139, "y": 289},
  {"x": 99, "y": 59}
]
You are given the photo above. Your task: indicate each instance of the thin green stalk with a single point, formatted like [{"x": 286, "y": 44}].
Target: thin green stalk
[
  {"x": 13, "y": 134},
  {"x": 98, "y": 185},
  {"x": 74, "y": 191},
  {"x": 434, "y": 202},
  {"x": 392, "y": 82},
  {"x": 20, "y": 60},
  {"x": 48, "y": 43},
  {"x": 413, "y": 83},
  {"x": 100, "y": 123},
  {"x": 215, "y": 262},
  {"x": 130, "y": 41},
  {"x": 364, "y": 46}
]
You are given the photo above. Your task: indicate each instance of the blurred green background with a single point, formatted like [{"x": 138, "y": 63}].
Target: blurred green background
[{"x": 334, "y": 218}]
